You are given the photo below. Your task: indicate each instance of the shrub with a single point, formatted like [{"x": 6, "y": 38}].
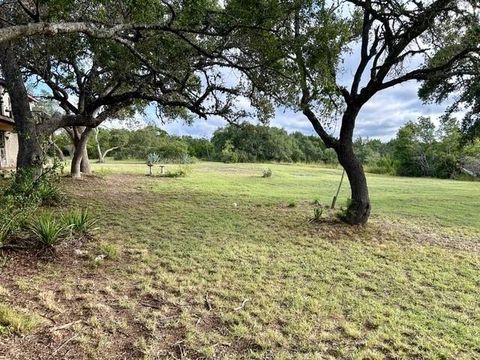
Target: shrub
[
  {"x": 181, "y": 172},
  {"x": 382, "y": 165},
  {"x": 27, "y": 191},
  {"x": 152, "y": 159},
  {"x": 80, "y": 221},
  {"x": 12, "y": 219},
  {"x": 48, "y": 230},
  {"x": 344, "y": 212},
  {"x": 267, "y": 173},
  {"x": 11, "y": 222},
  {"x": 49, "y": 193}
]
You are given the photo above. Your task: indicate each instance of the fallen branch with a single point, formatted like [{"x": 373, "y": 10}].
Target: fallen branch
[{"x": 153, "y": 306}]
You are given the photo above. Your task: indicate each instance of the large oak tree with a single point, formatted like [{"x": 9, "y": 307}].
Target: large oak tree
[{"x": 172, "y": 65}]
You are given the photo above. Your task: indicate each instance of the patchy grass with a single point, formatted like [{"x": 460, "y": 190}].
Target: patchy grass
[
  {"x": 217, "y": 265},
  {"x": 14, "y": 321}
]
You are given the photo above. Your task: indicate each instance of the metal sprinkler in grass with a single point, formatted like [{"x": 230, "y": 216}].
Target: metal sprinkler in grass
[{"x": 152, "y": 159}]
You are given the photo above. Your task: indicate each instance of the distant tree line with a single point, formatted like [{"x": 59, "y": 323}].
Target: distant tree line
[{"x": 419, "y": 148}]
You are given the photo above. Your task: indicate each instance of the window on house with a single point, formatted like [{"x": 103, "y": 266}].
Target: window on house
[{"x": 2, "y": 139}]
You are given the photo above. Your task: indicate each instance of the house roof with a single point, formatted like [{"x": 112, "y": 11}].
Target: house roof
[{"x": 6, "y": 120}]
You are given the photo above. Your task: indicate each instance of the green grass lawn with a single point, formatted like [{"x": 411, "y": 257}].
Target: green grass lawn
[
  {"x": 218, "y": 265},
  {"x": 443, "y": 202}
]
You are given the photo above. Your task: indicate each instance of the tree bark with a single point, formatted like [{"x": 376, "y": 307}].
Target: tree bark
[
  {"x": 57, "y": 150},
  {"x": 85, "y": 165},
  {"x": 359, "y": 208},
  {"x": 30, "y": 155},
  {"x": 80, "y": 142}
]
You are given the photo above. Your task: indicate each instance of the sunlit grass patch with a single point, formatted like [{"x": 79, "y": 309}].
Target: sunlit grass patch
[{"x": 15, "y": 321}]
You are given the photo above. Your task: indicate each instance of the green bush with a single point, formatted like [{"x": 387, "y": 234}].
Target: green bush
[
  {"x": 27, "y": 191},
  {"x": 317, "y": 214},
  {"x": 382, "y": 165},
  {"x": 11, "y": 223},
  {"x": 291, "y": 204},
  {"x": 49, "y": 193}
]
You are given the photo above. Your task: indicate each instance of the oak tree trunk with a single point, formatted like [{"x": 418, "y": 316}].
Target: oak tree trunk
[
  {"x": 85, "y": 165},
  {"x": 358, "y": 210},
  {"x": 80, "y": 162},
  {"x": 30, "y": 155}
]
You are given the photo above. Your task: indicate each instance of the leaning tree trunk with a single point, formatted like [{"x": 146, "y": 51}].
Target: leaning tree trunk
[
  {"x": 30, "y": 155},
  {"x": 358, "y": 210},
  {"x": 58, "y": 151}
]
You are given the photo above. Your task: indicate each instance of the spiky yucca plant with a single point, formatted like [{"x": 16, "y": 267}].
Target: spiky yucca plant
[
  {"x": 48, "y": 230},
  {"x": 80, "y": 221}
]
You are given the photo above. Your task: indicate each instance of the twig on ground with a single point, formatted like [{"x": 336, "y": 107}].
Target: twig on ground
[
  {"x": 153, "y": 306},
  {"x": 65, "y": 343},
  {"x": 65, "y": 326},
  {"x": 243, "y": 305}
]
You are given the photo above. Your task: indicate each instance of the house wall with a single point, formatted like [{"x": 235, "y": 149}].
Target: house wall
[
  {"x": 6, "y": 106},
  {"x": 11, "y": 148}
]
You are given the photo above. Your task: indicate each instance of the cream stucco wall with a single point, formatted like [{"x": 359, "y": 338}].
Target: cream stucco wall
[{"x": 11, "y": 148}]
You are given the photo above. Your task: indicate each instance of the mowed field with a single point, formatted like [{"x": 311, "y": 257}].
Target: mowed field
[{"x": 225, "y": 264}]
